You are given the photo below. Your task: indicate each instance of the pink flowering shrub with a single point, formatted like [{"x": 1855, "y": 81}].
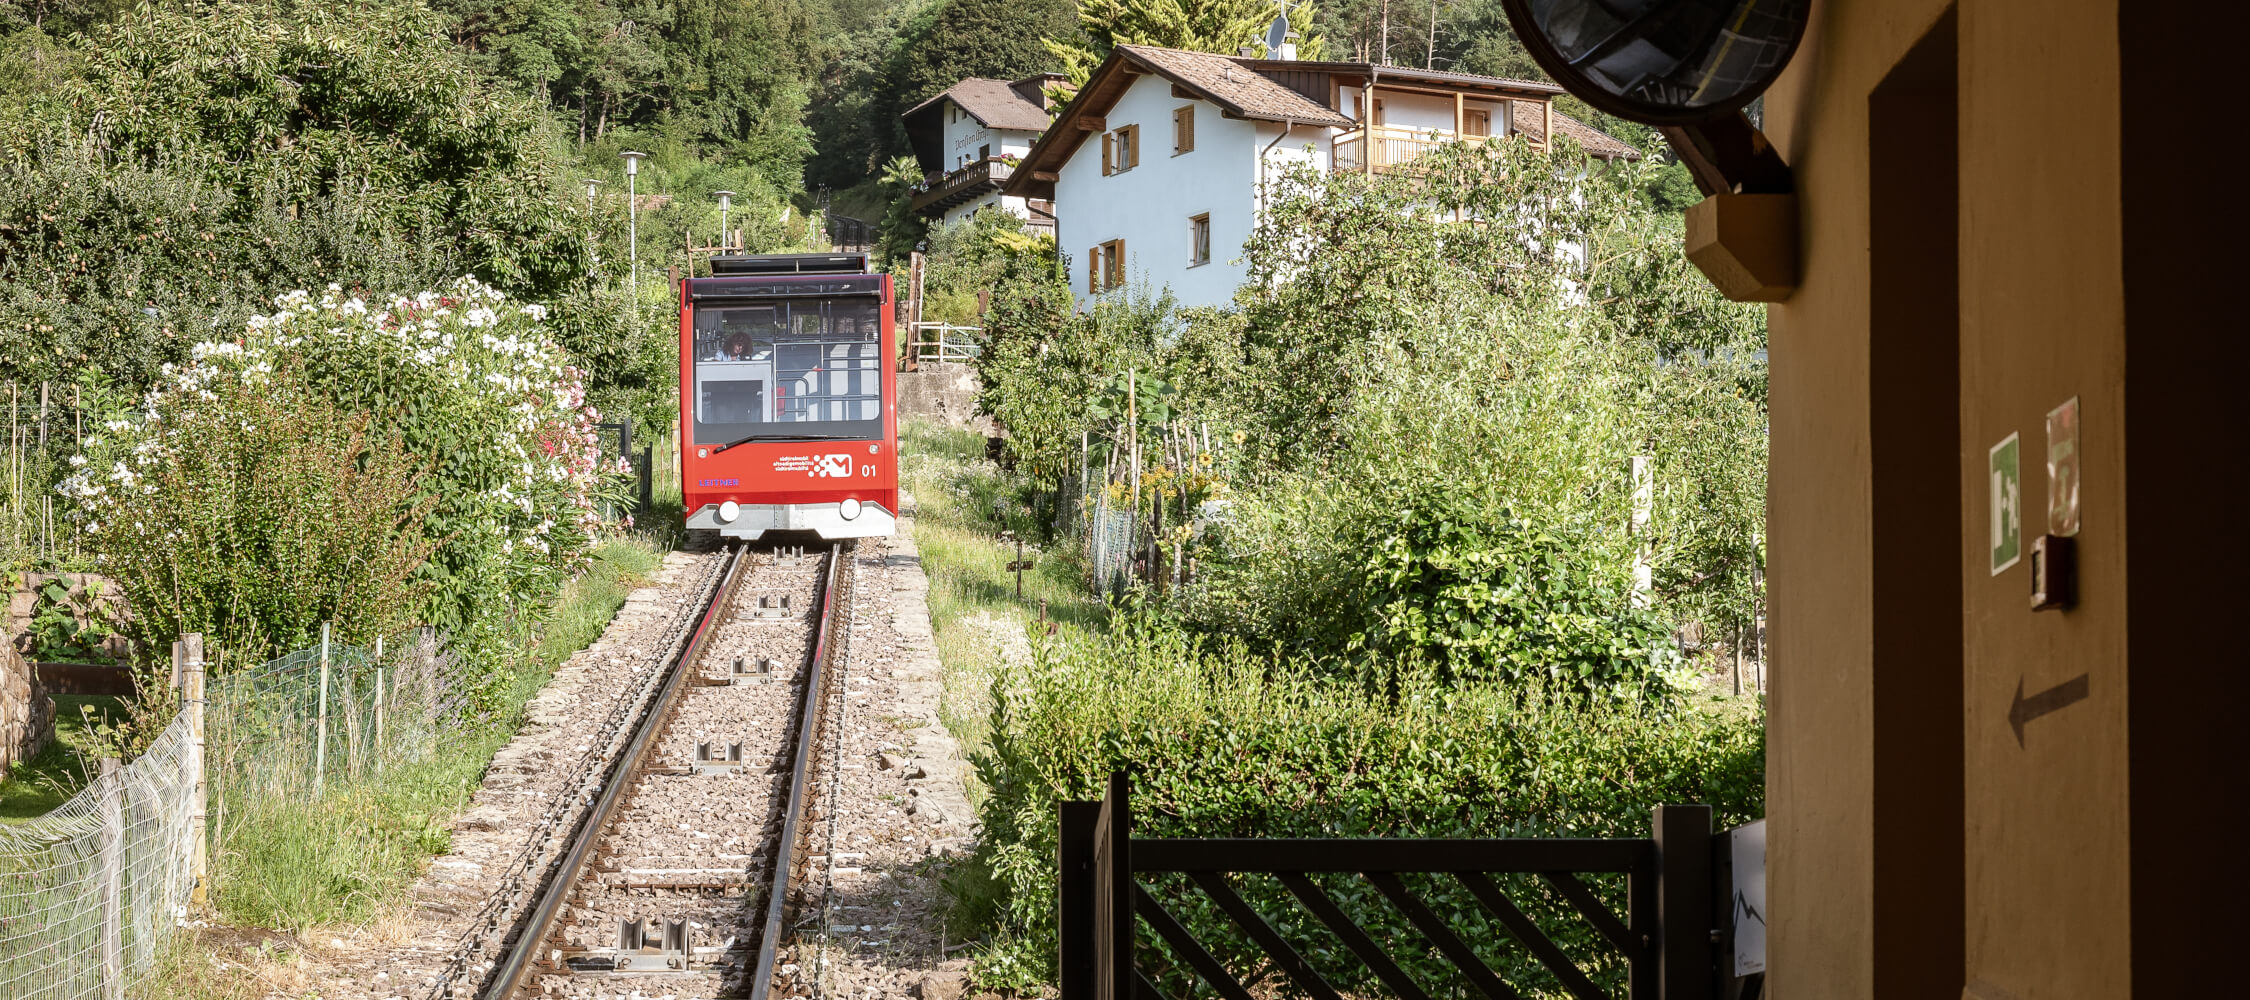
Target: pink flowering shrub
[{"x": 464, "y": 382}]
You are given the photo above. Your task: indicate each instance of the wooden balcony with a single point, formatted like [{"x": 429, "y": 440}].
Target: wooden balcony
[
  {"x": 966, "y": 184},
  {"x": 1390, "y": 146}
]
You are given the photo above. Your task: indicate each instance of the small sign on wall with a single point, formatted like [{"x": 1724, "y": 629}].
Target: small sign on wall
[
  {"x": 2062, "y": 469},
  {"x": 2006, "y": 503},
  {"x": 1747, "y": 846}
]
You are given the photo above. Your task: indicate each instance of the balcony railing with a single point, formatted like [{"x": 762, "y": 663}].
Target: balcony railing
[
  {"x": 946, "y": 342},
  {"x": 971, "y": 181},
  {"x": 1391, "y": 146}
]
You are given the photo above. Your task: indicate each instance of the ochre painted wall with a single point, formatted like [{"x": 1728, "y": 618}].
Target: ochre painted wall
[
  {"x": 2043, "y": 319},
  {"x": 2043, "y": 855}
]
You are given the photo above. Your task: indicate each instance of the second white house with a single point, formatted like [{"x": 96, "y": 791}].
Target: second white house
[{"x": 1155, "y": 167}]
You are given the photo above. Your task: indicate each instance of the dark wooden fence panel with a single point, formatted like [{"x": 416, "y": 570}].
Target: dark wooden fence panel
[{"x": 1664, "y": 938}]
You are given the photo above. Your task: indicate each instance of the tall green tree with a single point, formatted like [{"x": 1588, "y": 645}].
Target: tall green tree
[
  {"x": 240, "y": 149},
  {"x": 1197, "y": 25},
  {"x": 912, "y": 53}
]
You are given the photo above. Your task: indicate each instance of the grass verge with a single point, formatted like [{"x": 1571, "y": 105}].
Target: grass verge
[
  {"x": 980, "y": 622},
  {"x": 296, "y": 862},
  {"x": 34, "y": 787}
]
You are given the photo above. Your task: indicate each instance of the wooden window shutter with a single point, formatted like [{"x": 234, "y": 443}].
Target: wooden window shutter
[
  {"x": 1116, "y": 263},
  {"x": 1108, "y": 154},
  {"x": 1094, "y": 270},
  {"x": 1183, "y": 129},
  {"x": 1133, "y": 145}
]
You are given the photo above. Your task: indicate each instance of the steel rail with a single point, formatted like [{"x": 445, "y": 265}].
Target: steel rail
[
  {"x": 509, "y": 974},
  {"x": 800, "y": 771}
]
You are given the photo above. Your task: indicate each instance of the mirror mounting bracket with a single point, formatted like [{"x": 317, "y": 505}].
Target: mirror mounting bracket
[{"x": 1728, "y": 155}]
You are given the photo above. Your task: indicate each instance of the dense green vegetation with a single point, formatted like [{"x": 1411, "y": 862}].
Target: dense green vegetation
[
  {"x": 1393, "y": 503},
  {"x": 1393, "y": 507}
]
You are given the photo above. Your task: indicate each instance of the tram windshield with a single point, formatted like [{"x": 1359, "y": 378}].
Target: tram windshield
[{"x": 791, "y": 369}]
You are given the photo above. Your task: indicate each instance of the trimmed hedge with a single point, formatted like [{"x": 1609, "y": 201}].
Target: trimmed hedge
[{"x": 1220, "y": 742}]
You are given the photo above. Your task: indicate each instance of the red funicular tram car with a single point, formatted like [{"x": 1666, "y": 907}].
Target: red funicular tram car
[{"x": 786, "y": 403}]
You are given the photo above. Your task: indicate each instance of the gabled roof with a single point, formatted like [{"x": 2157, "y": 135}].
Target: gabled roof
[
  {"x": 1231, "y": 83},
  {"x": 1226, "y": 81},
  {"x": 993, "y": 103},
  {"x": 1018, "y": 106},
  {"x": 1274, "y": 90},
  {"x": 1358, "y": 72},
  {"x": 1597, "y": 143}
]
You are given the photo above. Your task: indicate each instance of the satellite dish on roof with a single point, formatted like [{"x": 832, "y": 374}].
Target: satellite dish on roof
[{"x": 1276, "y": 35}]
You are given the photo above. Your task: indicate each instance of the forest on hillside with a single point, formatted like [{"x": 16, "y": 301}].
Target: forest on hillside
[{"x": 806, "y": 94}]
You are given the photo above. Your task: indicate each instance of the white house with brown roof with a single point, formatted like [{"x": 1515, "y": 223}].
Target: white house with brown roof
[
  {"x": 1154, "y": 168},
  {"x": 967, "y": 140}
]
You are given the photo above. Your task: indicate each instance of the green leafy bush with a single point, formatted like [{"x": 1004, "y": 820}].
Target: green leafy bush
[
  {"x": 258, "y": 511},
  {"x": 493, "y": 435},
  {"x": 188, "y": 161},
  {"x": 1220, "y": 742}
]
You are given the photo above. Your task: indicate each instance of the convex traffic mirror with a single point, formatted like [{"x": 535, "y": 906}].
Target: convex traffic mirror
[{"x": 1661, "y": 62}]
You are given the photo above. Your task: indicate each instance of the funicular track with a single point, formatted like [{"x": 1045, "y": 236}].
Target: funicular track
[{"x": 678, "y": 878}]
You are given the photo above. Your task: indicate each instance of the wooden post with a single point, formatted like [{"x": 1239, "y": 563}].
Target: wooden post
[
  {"x": 191, "y": 673},
  {"x": 1683, "y": 902},
  {"x": 1367, "y": 126},
  {"x": 1133, "y": 437},
  {"x": 1113, "y": 907},
  {"x": 1460, "y": 115},
  {"x": 915, "y": 269},
  {"x": 379, "y": 704},
  {"x": 1738, "y": 639},
  {"x": 112, "y": 867},
  {"x": 320, "y": 728},
  {"x": 1074, "y": 902},
  {"x": 1644, "y": 509},
  {"x": 1547, "y": 109}
]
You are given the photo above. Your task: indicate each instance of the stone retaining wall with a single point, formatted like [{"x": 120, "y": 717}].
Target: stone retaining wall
[
  {"x": 943, "y": 391},
  {"x": 27, "y": 715}
]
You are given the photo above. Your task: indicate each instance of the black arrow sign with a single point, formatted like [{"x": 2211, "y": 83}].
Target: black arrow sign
[{"x": 2067, "y": 693}]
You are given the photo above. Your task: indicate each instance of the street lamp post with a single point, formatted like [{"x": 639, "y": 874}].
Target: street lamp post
[
  {"x": 633, "y": 215},
  {"x": 726, "y": 198}
]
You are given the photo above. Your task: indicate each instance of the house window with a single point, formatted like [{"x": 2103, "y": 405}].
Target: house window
[
  {"x": 1105, "y": 266},
  {"x": 1199, "y": 240},
  {"x": 1121, "y": 149},
  {"x": 1183, "y": 129}
]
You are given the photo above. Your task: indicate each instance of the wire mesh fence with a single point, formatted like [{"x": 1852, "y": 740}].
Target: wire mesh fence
[
  {"x": 327, "y": 714},
  {"x": 1112, "y": 541},
  {"x": 90, "y": 891}
]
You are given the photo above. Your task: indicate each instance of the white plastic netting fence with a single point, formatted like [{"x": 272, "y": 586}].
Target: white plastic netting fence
[{"x": 90, "y": 892}]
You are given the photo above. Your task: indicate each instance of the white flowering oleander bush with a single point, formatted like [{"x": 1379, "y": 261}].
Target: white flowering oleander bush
[{"x": 465, "y": 382}]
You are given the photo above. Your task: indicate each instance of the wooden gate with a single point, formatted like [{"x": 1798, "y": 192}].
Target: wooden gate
[{"x": 1667, "y": 937}]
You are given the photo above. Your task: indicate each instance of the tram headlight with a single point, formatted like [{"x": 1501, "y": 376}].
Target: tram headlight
[
  {"x": 849, "y": 508},
  {"x": 728, "y": 511}
]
